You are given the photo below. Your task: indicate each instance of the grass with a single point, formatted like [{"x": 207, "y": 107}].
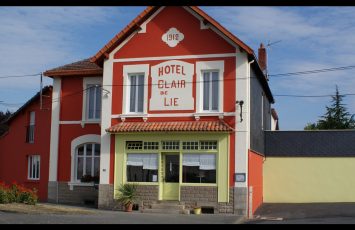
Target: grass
[{"x": 43, "y": 209}]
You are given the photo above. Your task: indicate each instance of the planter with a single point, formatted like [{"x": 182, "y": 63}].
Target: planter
[
  {"x": 197, "y": 211},
  {"x": 128, "y": 208}
]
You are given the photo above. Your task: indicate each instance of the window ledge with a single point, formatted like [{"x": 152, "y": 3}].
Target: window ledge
[
  {"x": 133, "y": 115},
  {"x": 80, "y": 184},
  {"x": 83, "y": 122},
  {"x": 205, "y": 114}
]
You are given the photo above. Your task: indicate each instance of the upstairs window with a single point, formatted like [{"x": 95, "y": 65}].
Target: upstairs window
[
  {"x": 136, "y": 95},
  {"x": 30, "y": 133},
  {"x": 93, "y": 102},
  {"x": 210, "y": 91},
  {"x": 33, "y": 167}
]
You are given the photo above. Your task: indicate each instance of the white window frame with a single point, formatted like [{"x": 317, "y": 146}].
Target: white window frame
[
  {"x": 31, "y": 160},
  {"x": 129, "y": 70},
  {"x": 31, "y": 131},
  {"x": 90, "y": 81},
  {"x": 84, "y": 156},
  {"x": 207, "y": 66},
  {"x": 90, "y": 138}
]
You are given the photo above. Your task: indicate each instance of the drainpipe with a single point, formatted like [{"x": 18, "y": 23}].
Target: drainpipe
[{"x": 248, "y": 134}]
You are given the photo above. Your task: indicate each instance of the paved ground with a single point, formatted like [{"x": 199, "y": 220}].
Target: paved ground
[
  {"x": 117, "y": 217},
  {"x": 316, "y": 213}
]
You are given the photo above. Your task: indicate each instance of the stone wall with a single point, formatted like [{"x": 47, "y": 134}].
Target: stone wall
[
  {"x": 147, "y": 194},
  {"x": 241, "y": 201},
  {"x": 106, "y": 200},
  {"x": 206, "y": 196},
  {"x": 80, "y": 195}
]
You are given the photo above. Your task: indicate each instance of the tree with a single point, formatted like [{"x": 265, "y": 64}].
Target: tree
[
  {"x": 336, "y": 116},
  {"x": 3, "y": 117}
]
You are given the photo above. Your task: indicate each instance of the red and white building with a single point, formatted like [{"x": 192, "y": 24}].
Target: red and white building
[
  {"x": 174, "y": 103},
  {"x": 24, "y": 148}
]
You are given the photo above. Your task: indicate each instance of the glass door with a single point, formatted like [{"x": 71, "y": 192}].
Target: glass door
[{"x": 171, "y": 168}]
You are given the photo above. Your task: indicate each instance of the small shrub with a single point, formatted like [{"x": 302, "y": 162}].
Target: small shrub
[{"x": 18, "y": 194}]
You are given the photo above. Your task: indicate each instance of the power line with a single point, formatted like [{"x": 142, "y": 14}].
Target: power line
[
  {"x": 326, "y": 95},
  {"x": 16, "y": 76},
  {"x": 313, "y": 71}
]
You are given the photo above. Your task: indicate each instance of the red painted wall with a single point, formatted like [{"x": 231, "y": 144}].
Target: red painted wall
[
  {"x": 255, "y": 165},
  {"x": 196, "y": 42},
  {"x": 14, "y": 150},
  {"x": 71, "y": 110}
]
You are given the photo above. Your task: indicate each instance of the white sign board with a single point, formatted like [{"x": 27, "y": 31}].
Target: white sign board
[
  {"x": 172, "y": 86},
  {"x": 172, "y": 37}
]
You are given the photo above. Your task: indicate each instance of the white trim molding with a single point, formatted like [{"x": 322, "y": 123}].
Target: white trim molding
[
  {"x": 89, "y": 81},
  {"x": 217, "y": 114},
  {"x": 106, "y": 122},
  {"x": 89, "y": 138},
  {"x": 79, "y": 122},
  {"x": 53, "y": 155},
  {"x": 220, "y": 55},
  {"x": 127, "y": 71},
  {"x": 242, "y": 135},
  {"x": 206, "y": 66}
]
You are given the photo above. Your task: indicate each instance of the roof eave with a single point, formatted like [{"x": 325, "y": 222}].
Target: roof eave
[{"x": 60, "y": 73}]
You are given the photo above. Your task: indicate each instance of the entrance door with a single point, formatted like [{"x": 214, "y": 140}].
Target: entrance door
[{"x": 171, "y": 169}]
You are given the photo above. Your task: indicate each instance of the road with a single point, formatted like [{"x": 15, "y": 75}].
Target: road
[{"x": 117, "y": 217}]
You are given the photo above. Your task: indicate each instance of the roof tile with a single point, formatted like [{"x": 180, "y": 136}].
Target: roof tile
[{"x": 190, "y": 126}]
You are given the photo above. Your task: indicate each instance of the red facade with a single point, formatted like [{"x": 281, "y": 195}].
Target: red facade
[
  {"x": 72, "y": 93},
  {"x": 197, "y": 41},
  {"x": 255, "y": 165},
  {"x": 15, "y": 151}
]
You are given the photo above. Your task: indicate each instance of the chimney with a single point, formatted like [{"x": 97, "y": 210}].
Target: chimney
[{"x": 262, "y": 58}]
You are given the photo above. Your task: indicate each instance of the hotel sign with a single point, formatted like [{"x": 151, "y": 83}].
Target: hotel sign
[{"x": 172, "y": 86}]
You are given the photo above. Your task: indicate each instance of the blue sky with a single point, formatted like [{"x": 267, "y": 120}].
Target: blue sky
[{"x": 34, "y": 39}]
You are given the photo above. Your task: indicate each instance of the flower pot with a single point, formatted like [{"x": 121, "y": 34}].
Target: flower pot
[
  {"x": 128, "y": 207},
  {"x": 197, "y": 211}
]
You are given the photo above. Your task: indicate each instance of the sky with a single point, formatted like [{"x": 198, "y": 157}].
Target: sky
[{"x": 35, "y": 39}]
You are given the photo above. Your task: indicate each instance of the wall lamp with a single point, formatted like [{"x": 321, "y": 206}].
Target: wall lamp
[{"x": 240, "y": 103}]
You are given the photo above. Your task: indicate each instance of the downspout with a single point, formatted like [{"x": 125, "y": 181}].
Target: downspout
[{"x": 249, "y": 205}]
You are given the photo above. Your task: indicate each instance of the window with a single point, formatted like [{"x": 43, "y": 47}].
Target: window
[
  {"x": 30, "y": 133},
  {"x": 142, "y": 167},
  {"x": 87, "y": 162},
  {"x": 171, "y": 145},
  {"x": 136, "y": 95},
  {"x": 93, "y": 102},
  {"x": 199, "y": 168},
  {"x": 134, "y": 145},
  {"x": 151, "y": 145},
  {"x": 33, "y": 167},
  {"x": 208, "y": 145},
  {"x": 210, "y": 91},
  {"x": 190, "y": 145}
]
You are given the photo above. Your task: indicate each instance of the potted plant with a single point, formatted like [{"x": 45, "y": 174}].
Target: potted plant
[
  {"x": 127, "y": 196},
  {"x": 197, "y": 210}
]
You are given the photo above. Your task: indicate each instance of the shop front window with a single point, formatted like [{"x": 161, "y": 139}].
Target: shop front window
[
  {"x": 199, "y": 168},
  {"x": 142, "y": 167}
]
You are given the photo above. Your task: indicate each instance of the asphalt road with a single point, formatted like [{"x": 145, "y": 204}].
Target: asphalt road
[
  {"x": 117, "y": 217},
  {"x": 311, "y": 213}
]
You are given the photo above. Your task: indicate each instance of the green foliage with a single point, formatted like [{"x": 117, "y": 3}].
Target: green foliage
[
  {"x": 17, "y": 194},
  {"x": 336, "y": 116},
  {"x": 127, "y": 194},
  {"x": 3, "y": 117}
]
